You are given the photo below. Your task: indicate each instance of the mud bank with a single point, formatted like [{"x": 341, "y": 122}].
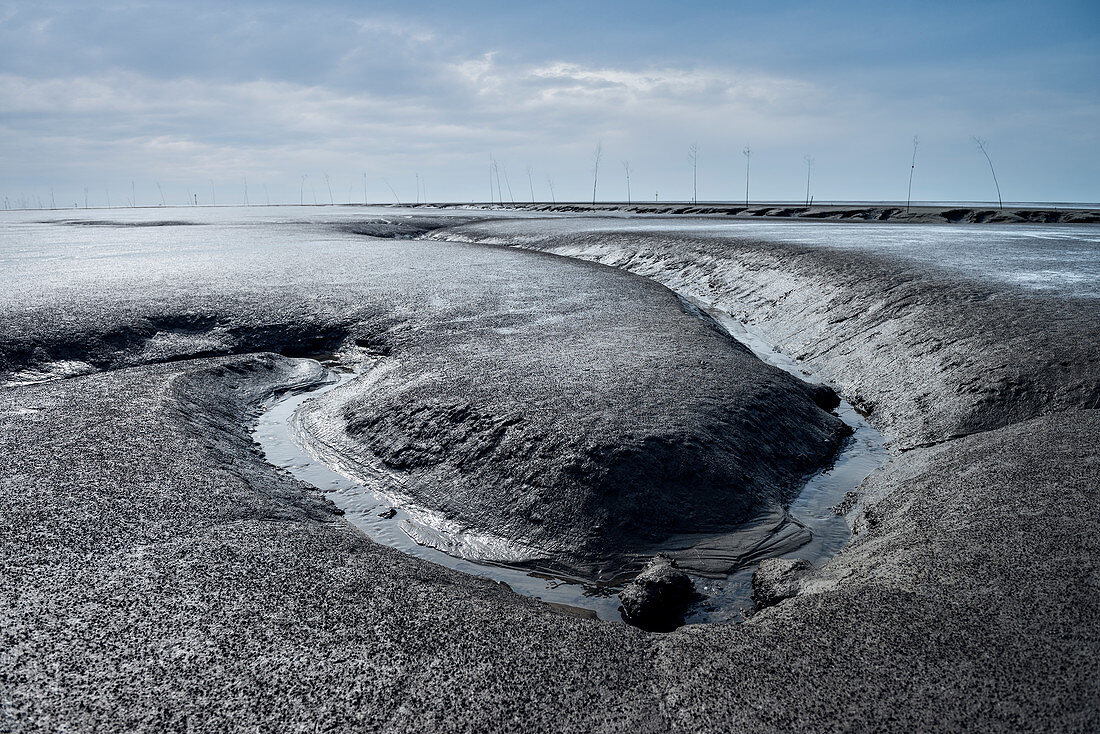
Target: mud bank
[
  {"x": 158, "y": 574},
  {"x": 832, "y": 212},
  {"x": 546, "y": 458},
  {"x": 929, "y": 354}
]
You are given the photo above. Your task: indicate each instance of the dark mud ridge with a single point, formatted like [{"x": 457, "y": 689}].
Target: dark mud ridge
[
  {"x": 829, "y": 212},
  {"x": 589, "y": 479},
  {"x": 375, "y": 496}
]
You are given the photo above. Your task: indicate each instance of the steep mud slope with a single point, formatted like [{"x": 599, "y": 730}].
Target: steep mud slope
[{"x": 931, "y": 354}]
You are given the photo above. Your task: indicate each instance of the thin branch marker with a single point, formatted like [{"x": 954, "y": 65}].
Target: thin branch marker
[
  {"x": 747, "y": 152},
  {"x": 500, "y": 194},
  {"x": 809, "y": 167},
  {"x": 912, "y": 168},
  {"x": 507, "y": 184},
  {"x": 693, "y": 156},
  {"x": 981, "y": 146},
  {"x": 395, "y": 197},
  {"x": 596, "y": 169}
]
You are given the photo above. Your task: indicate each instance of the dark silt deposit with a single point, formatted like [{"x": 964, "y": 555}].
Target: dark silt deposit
[
  {"x": 853, "y": 212},
  {"x": 657, "y": 598},
  {"x": 157, "y": 573},
  {"x": 581, "y": 440}
]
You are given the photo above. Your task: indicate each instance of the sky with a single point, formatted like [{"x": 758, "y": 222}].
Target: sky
[{"x": 144, "y": 102}]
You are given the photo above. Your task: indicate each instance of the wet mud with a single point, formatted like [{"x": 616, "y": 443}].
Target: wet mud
[{"x": 159, "y": 573}]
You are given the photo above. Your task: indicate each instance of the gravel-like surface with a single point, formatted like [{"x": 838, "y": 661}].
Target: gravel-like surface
[{"x": 156, "y": 573}]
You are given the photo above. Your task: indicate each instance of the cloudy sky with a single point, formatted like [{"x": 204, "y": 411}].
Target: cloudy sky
[{"x": 98, "y": 95}]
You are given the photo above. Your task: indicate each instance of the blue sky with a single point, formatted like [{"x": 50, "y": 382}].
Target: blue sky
[{"x": 98, "y": 95}]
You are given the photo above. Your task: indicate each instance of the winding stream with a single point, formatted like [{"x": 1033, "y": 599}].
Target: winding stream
[{"x": 725, "y": 600}]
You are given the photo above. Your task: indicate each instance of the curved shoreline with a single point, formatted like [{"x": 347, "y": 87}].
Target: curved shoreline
[
  {"x": 726, "y": 594},
  {"x": 158, "y": 573},
  {"x": 931, "y": 355}
]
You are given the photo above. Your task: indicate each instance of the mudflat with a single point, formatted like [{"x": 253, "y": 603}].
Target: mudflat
[{"x": 158, "y": 573}]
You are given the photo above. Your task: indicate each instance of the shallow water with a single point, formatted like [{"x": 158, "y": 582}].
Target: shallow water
[
  {"x": 389, "y": 523},
  {"x": 1055, "y": 258},
  {"x": 370, "y": 510},
  {"x": 863, "y": 453}
]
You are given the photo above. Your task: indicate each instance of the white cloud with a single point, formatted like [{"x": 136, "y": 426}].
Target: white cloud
[
  {"x": 265, "y": 92},
  {"x": 399, "y": 29}
]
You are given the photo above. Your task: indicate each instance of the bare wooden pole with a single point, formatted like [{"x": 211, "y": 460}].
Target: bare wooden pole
[
  {"x": 596, "y": 169},
  {"x": 693, "y": 157},
  {"x": 981, "y": 146},
  {"x": 747, "y": 152},
  {"x": 912, "y": 168}
]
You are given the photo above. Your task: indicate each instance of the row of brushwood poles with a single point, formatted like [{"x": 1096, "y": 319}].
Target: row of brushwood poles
[
  {"x": 496, "y": 194},
  {"x": 693, "y": 159}
]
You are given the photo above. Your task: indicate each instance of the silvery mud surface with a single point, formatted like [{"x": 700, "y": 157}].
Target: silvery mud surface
[
  {"x": 533, "y": 411},
  {"x": 158, "y": 573},
  {"x": 1062, "y": 259}
]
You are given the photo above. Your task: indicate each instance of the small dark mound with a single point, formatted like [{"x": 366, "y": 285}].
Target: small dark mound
[
  {"x": 777, "y": 579},
  {"x": 824, "y": 397},
  {"x": 658, "y": 597},
  {"x": 404, "y": 228},
  {"x": 113, "y": 223},
  {"x": 956, "y": 215}
]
